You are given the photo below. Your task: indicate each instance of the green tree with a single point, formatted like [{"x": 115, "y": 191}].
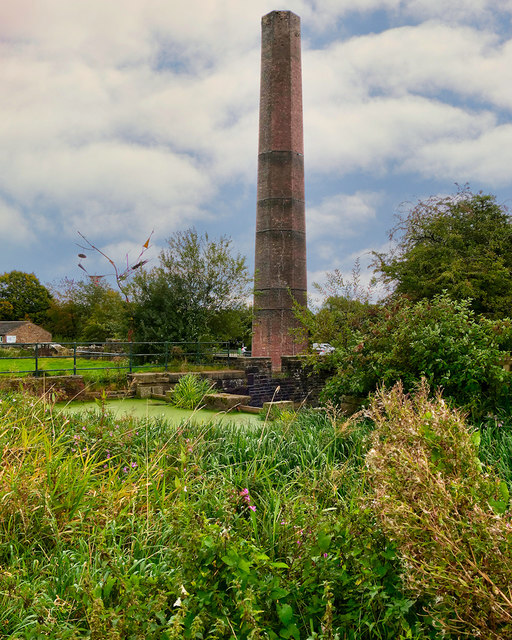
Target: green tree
[
  {"x": 23, "y": 297},
  {"x": 233, "y": 325},
  {"x": 197, "y": 282},
  {"x": 345, "y": 305},
  {"x": 441, "y": 340},
  {"x": 461, "y": 244},
  {"x": 6, "y": 310},
  {"x": 87, "y": 310}
]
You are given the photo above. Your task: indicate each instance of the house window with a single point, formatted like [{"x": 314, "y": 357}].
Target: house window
[{"x": 1, "y": 338}]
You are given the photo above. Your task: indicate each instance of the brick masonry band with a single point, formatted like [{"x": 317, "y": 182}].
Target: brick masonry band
[{"x": 280, "y": 256}]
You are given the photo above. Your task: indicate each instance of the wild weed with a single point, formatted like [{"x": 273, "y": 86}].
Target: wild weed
[
  {"x": 190, "y": 391},
  {"x": 448, "y": 517}
]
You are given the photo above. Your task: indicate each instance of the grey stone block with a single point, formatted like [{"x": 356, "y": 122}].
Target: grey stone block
[
  {"x": 224, "y": 401},
  {"x": 143, "y": 391}
]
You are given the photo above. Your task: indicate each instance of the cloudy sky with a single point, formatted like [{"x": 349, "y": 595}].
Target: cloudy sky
[{"x": 122, "y": 117}]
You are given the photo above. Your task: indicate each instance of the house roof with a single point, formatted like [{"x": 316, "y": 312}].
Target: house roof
[{"x": 6, "y": 326}]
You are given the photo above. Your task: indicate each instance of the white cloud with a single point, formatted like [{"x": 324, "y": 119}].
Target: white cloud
[
  {"x": 456, "y": 10},
  {"x": 434, "y": 57},
  {"x": 214, "y": 114},
  {"x": 119, "y": 117},
  {"x": 109, "y": 186},
  {"x": 486, "y": 158},
  {"x": 91, "y": 128},
  {"x": 135, "y": 32},
  {"x": 380, "y": 99},
  {"x": 342, "y": 214},
  {"x": 374, "y": 135},
  {"x": 15, "y": 228},
  {"x": 418, "y": 60}
]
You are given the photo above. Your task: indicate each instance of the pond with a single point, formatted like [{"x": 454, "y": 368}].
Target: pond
[{"x": 149, "y": 408}]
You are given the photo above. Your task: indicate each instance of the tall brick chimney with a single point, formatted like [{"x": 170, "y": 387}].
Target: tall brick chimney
[{"x": 280, "y": 262}]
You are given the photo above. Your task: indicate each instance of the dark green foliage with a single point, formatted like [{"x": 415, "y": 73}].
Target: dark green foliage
[
  {"x": 232, "y": 325},
  {"x": 440, "y": 340},
  {"x": 193, "y": 293},
  {"x": 461, "y": 244},
  {"x": 23, "y": 297},
  {"x": 160, "y": 309},
  {"x": 87, "y": 310}
]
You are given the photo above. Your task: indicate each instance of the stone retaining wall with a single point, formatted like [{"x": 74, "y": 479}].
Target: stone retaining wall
[
  {"x": 253, "y": 377},
  {"x": 297, "y": 381},
  {"x": 159, "y": 383},
  {"x": 61, "y": 387}
]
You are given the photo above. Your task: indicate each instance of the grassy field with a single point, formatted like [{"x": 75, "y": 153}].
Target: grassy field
[
  {"x": 137, "y": 529},
  {"x": 90, "y": 368},
  {"x": 57, "y": 364}
]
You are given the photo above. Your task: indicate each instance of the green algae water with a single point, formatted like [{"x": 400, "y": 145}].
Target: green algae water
[{"x": 148, "y": 408}]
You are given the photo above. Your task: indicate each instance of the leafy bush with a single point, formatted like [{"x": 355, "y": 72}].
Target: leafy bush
[
  {"x": 190, "y": 391},
  {"x": 440, "y": 340},
  {"x": 448, "y": 518}
]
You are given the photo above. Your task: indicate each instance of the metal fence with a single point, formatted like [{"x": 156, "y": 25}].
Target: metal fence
[{"x": 42, "y": 358}]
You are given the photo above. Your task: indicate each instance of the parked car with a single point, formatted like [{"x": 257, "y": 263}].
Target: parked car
[{"x": 322, "y": 348}]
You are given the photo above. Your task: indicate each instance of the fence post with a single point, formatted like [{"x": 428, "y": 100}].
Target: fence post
[
  {"x": 130, "y": 357},
  {"x": 166, "y": 355},
  {"x": 74, "y": 358},
  {"x": 197, "y": 351},
  {"x": 36, "y": 356}
]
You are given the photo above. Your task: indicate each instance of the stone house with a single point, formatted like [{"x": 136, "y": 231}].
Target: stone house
[{"x": 13, "y": 331}]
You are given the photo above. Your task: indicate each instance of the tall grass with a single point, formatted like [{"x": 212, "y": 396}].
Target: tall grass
[
  {"x": 496, "y": 446},
  {"x": 116, "y": 528},
  {"x": 124, "y": 528}
]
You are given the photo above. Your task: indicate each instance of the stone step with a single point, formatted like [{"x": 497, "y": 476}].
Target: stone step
[
  {"x": 225, "y": 401},
  {"x": 279, "y": 405},
  {"x": 159, "y": 396},
  {"x": 248, "y": 409},
  {"x": 149, "y": 377}
]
